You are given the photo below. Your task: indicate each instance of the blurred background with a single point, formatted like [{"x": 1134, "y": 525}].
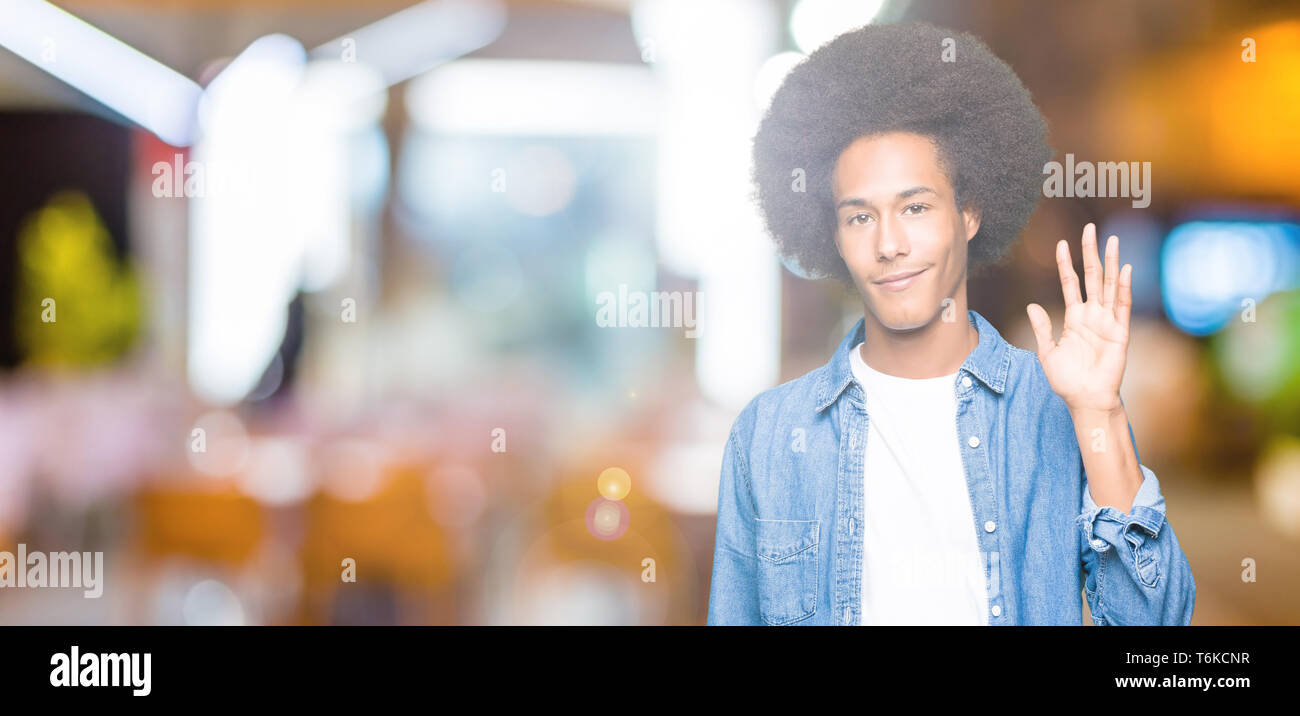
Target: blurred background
[{"x": 439, "y": 313}]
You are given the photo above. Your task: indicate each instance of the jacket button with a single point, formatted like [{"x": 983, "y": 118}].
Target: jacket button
[
  {"x": 846, "y": 615},
  {"x": 965, "y": 381},
  {"x": 990, "y": 526},
  {"x": 973, "y": 442},
  {"x": 997, "y": 610}
]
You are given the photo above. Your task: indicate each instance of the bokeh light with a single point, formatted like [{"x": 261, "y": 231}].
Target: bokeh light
[
  {"x": 607, "y": 519},
  {"x": 614, "y": 483}
]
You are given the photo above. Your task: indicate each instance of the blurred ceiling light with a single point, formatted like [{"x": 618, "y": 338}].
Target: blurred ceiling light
[
  {"x": 419, "y": 38},
  {"x": 166, "y": 102},
  {"x": 271, "y": 124},
  {"x": 813, "y": 23},
  {"x": 536, "y": 98},
  {"x": 283, "y": 130},
  {"x": 249, "y": 232},
  {"x": 345, "y": 94},
  {"x": 338, "y": 107},
  {"x": 295, "y": 132},
  {"x": 122, "y": 78},
  {"x": 268, "y": 69}
]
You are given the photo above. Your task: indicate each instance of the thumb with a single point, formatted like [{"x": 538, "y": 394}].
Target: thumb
[{"x": 1042, "y": 325}]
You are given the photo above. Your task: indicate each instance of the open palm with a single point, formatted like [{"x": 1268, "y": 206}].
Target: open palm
[{"x": 1086, "y": 364}]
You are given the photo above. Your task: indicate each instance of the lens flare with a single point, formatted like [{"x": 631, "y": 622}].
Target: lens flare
[
  {"x": 614, "y": 483},
  {"x": 607, "y": 519}
]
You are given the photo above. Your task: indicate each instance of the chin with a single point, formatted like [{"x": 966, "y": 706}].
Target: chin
[
  {"x": 902, "y": 317},
  {"x": 905, "y": 325}
]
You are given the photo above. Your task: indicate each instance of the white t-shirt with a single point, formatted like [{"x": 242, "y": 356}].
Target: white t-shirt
[{"x": 921, "y": 559}]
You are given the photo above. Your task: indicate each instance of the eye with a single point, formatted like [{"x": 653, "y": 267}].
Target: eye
[
  {"x": 856, "y": 216},
  {"x": 919, "y": 209}
]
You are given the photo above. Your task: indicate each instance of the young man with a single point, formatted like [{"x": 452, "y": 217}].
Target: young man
[{"x": 932, "y": 473}]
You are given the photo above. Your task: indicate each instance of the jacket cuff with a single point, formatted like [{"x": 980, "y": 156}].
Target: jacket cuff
[{"x": 1105, "y": 527}]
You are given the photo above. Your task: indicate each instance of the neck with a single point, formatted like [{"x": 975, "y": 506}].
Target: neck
[{"x": 936, "y": 349}]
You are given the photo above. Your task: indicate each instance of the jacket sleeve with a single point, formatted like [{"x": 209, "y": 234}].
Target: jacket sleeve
[
  {"x": 733, "y": 590},
  {"x": 1134, "y": 571}
]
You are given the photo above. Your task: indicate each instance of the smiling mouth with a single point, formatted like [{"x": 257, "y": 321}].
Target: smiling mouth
[{"x": 899, "y": 281}]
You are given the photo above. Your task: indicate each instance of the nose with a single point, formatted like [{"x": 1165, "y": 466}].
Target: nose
[{"x": 892, "y": 241}]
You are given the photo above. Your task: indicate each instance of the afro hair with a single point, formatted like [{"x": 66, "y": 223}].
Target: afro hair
[{"x": 880, "y": 78}]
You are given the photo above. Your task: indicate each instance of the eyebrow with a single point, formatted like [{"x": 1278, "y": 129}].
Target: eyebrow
[{"x": 858, "y": 201}]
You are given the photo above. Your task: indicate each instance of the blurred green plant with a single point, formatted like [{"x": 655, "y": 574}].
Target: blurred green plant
[
  {"x": 78, "y": 304},
  {"x": 1259, "y": 359}
]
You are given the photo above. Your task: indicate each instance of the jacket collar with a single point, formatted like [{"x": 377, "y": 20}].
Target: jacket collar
[{"x": 988, "y": 363}]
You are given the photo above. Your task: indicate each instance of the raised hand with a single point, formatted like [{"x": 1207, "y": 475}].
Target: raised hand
[{"x": 1086, "y": 364}]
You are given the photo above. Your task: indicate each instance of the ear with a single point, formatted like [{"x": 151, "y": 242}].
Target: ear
[{"x": 971, "y": 219}]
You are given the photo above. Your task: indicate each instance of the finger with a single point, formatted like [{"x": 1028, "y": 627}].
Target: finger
[
  {"x": 1112, "y": 272},
  {"x": 1124, "y": 301},
  {"x": 1091, "y": 263},
  {"x": 1042, "y": 325},
  {"x": 1069, "y": 279}
]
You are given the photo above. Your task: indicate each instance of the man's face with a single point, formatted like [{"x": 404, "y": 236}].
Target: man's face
[{"x": 896, "y": 217}]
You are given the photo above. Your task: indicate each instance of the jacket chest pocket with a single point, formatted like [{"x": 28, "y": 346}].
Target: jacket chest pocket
[{"x": 787, "y": 569}]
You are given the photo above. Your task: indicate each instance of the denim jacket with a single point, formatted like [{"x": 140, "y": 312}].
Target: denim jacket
[{"x": 788, "y": 543}]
